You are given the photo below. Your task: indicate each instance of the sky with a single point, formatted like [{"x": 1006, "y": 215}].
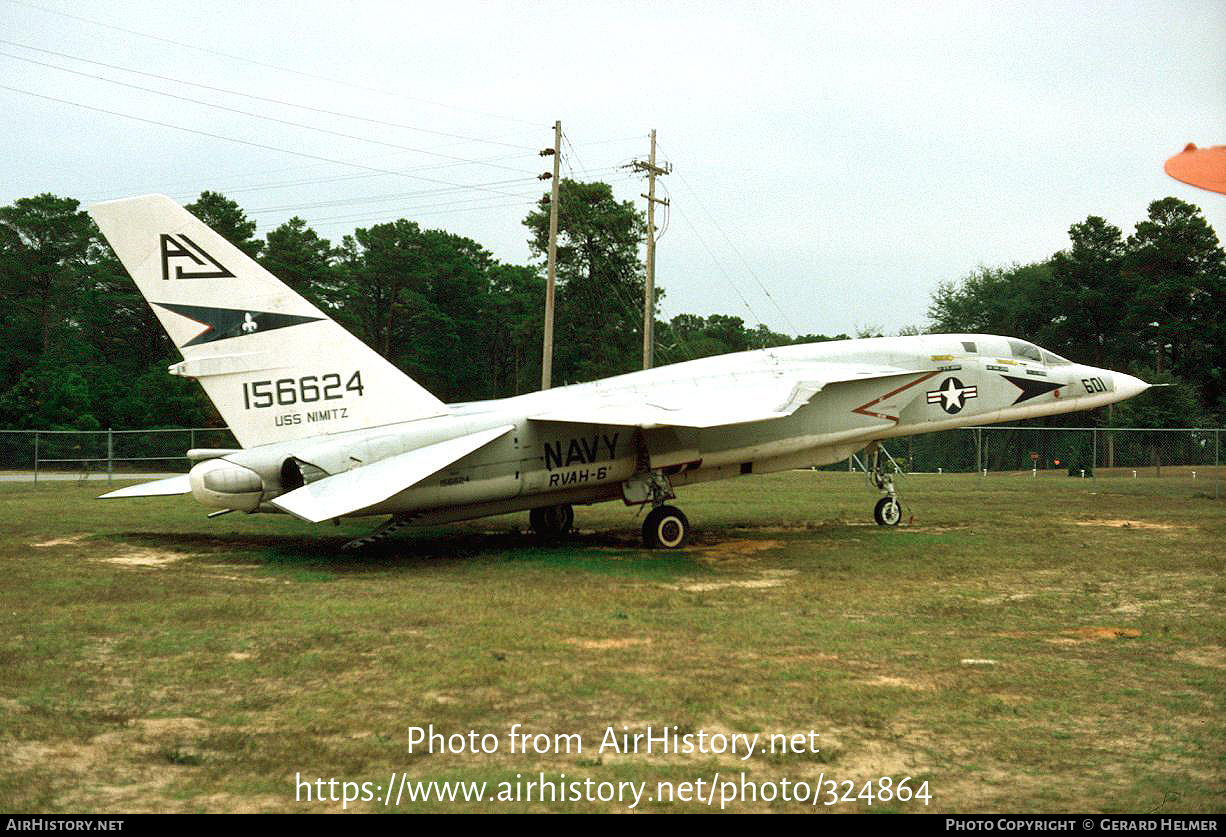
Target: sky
[{"x": 832, "y": 161}]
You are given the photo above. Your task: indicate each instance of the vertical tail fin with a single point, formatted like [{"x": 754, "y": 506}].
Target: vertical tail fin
[{"x": 276, "y": 367}]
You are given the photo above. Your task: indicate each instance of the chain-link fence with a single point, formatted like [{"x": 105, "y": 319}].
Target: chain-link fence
[
  {"x": 1193, "y": 454},
  {"x": 1082, "y": 452},
  {"x": 108, "y": 454}
]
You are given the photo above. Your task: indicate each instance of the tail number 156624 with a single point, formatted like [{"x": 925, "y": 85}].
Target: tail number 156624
[{"x": 308, "y": 389}]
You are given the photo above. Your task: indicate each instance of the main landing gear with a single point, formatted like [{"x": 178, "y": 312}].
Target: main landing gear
[
  {"x": 888, "y": 511},
  {"x": 665, "y": 526},
  {"x": 552, "y": 521}
]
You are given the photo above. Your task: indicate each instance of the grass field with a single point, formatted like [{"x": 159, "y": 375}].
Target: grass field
[{"x": 1025, "y": 646}]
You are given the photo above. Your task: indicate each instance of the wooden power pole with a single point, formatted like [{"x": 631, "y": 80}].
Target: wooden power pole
[
  {"x": 649, "y": 298},
  {"x": 551, "y": 269}
]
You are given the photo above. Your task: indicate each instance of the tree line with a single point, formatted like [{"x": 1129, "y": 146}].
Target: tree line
[
  {"x": 1151, "y": 303},
  {"x": 82, "y": 349}
]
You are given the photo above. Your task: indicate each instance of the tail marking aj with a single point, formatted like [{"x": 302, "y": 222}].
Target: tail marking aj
[{"x": 184, "y": 247}]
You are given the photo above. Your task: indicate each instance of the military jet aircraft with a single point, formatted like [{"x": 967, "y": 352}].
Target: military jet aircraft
[{"x": 329, "y": 429}]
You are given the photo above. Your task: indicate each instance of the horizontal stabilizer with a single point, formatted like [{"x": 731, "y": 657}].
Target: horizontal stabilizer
[
  {"x": 157, "y": 488},
  {"x": 366, "y": 485}
]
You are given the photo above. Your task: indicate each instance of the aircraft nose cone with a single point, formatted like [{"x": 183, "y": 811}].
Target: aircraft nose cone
[{"x": 1126, "y": 386}]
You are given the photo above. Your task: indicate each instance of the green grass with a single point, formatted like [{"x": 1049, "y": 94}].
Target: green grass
[{"x": 156, "y": 660}]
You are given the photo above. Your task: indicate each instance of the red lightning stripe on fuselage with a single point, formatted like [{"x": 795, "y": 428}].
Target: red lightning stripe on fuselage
[{"x": 864, "y": 410}]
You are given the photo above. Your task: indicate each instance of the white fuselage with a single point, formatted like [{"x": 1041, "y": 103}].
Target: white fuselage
[{"x": 944, "y": 381}]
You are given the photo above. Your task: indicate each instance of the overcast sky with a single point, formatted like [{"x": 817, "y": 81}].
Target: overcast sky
[{"x": 833, "y": 162}]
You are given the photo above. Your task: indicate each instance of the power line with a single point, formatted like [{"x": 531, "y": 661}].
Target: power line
[
  {"x": 259, "y": 187},
  {"x": 719, "y": 265},
  {"x": 744, "y": 261},
  {"x": 390, "y": 196},
  {"x": 261, "y": 98},
  {"x": 236, "y": 140},
  {"x": 256, "y": 115},
  {"x": 371, "y": 212},
  {"x": 253, "y": 61}
]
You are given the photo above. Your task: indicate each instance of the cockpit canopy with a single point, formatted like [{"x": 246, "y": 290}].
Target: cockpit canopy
[
  {"x": 1031, "y": 352},
  {"x": 1019, "y": 349}
]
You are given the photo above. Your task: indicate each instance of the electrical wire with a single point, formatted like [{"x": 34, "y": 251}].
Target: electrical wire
[
  {"x": 744, "y": 261},
  {"x": 269, "y": 99},
  {"x": 263, "y": 116},
  {"x": 267, "y": 65},
  {"x": 234, "y": 139}
]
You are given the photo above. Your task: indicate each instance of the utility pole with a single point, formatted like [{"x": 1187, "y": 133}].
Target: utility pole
[
  {"x": 649, "y": 299},
  {"x": 551, "y": 269}
]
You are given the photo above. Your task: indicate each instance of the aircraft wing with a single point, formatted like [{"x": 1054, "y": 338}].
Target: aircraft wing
[
  {"x": 366, "y": 485},
  {"x": 716, "y": 403},
  {"x": 157, "y": 488}
]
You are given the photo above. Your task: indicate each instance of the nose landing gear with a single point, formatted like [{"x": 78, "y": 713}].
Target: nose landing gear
[{"x": 888, "y": 511}]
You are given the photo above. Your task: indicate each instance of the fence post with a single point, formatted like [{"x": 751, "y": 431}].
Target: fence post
[
  {"x": 35, "y": 456},
  {"x": 978, "y": 433},
  {"x": 1094, "y": 456},
  {"x": 1217, "y": 464},
  {"x": 110, "y": 454}
]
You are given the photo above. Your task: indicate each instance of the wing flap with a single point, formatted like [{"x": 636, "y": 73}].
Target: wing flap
[
  {"x": 367, "y": 485},
  {"x": 157, "y": 488}
]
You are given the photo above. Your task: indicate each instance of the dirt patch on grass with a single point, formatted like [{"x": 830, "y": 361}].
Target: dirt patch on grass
[
  {"x": 859, "y": 760},
  {"x": 1132, "y": 524},
  {"x": 607, "y": 644},
  {"x": 738, "y": 549},
  {"x": 1213, "y": 656},
  {"x": 1094, "y": 633},
  {"x": 71, "y": 540},
  {"x": 143, "y": 557},
  {"x": 930, "y": 530},
  {"x": 899, "y": 683},
  {"x": 766, "y": 580},
  {"x": 138, "y": 761}
]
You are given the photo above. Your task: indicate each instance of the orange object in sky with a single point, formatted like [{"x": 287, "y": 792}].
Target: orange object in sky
[{"x": 1201, "y": 167}]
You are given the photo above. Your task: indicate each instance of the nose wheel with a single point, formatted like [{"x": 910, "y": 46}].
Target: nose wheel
[{"x": 888, "y": 511}]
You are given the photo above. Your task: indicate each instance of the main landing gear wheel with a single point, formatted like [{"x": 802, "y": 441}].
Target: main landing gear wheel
[
  {"x": 666, "y": 528},
  {"x": 888, "y": 512},
  {"x": 552, "y": 521}
]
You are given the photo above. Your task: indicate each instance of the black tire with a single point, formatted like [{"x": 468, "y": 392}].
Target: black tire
[
  {"x": 552, "y": 521},
  {"x": 666, "y": 528},
  {"x": 888, "y": 512}
]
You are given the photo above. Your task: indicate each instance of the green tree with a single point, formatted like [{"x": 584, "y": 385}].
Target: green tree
[
  {"x": 419, "y": 298},
  {"x": 1089, "y": 292},
  {"x": 300, "y": 258},
  {"x": 227, "y": 219},
  {"x": 1178, "y": 271},
  {"x": 44, "y": 243},
  {"x": 514, "y": 323},
  {"x": 597, "y": 324},
  {"x": 996, "y": 300}
]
